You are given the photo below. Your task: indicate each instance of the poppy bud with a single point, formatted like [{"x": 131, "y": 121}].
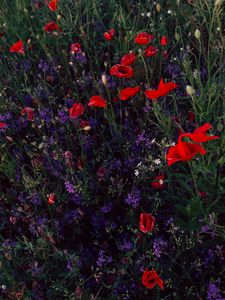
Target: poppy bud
[
  {"x": 218, "y": 2},
  {"x": 104, "y": 79},
  {"x": 190, "y": 90},
  {"x": 68, "y": 155},
  {"x": 59, "y": 17},
  {"x": 78, "y": 292},
  {"x": 177, "y": 36},
  {"x": 87, "y": 128},
  {"x": 158, "y": 7},
  {"x": 197, "y": 34}
]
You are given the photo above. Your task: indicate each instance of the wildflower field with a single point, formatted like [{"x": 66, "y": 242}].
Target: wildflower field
[{"x": 112, "y": 150}]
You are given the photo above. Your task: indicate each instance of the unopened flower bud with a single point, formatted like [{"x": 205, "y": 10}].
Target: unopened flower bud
[
  {"x": 190, "y": 90},
  {"x": 218, "y": 2},
  {"x": 104, "y": 79},
  {"x": 87, "y": 128},
  {"x": 59, "y": 17},
  {"x": 177, "y": 36},
  {"x": 158, "y": 7},
  {"x": 197, "y": 34}
]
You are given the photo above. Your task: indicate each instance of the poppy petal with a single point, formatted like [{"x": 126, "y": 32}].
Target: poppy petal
[
  {"x": 128, "y": 92},
  {"x": 97, "y": 101}
]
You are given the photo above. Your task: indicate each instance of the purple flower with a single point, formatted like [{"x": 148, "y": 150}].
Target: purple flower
[
  {"x": 46, "y": 115},
  {"x": 133, "y": 199},
  {"x": 35, "y": 199},
  {"x": 80, "y": 58},
  {"x": 63, "y": 116},
  {"x": 159, "y": 247},
  {"x": 26, "y": 63},
  {"x": 103, "y": 259},
  {"x": 209, "y": 257},
  {"x": 43, "y": 65},
  {"x": 213, "y": 292},
  {"x": 69, "y": 187},
  {"x": 173, "y": 70},
  {"x": 35, "y": 270},
  {"x": 106, "y": 208}
]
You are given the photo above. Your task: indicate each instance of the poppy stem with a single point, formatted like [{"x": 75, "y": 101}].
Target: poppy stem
[{"x": 193, "y": 177}]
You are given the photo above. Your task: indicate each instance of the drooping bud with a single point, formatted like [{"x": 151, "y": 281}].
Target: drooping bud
[
  {"x": 190, "y": 90},
  {"x": 197, "y": 34}
]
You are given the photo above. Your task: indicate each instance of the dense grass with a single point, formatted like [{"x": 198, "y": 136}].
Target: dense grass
[{"x": 88, "y": 245}]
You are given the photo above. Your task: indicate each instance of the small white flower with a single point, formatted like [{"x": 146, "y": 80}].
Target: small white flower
[
  {"x": 153, "y": 141},
  {"x": 157, "y": 161},
  {"x": 152, "y": 168},
  {"x": 136, "y": 173}
]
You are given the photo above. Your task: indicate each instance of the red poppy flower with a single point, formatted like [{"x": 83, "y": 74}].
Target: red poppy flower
[
  {"x": 129, "y": 92},
  {"x": 52, "y": 5},
  {"x": 76, "y": 110},
  {"x": 163, "y": 90},
  {"x": 109, "y": 35},
  {"x": 143, "y": 38},
  {"x": 97, "y": 101},
  {"x": 29, "y": 112},
  {"x": 151, "y": 51},
  {"x": 183, "y": 151},
  {"x": 122, "y": 71},
  {"x": 146, "y": 222},
  {"x": 75, "y": 47},
  {"x": 18, "y": 47},
  {"x": 2, "y": 125},
  {"x": 158, "y": 182},
  {"x": 150, "y": 279},
  {"x": 51, "y": 26},
  {"x": 163, "y": 41},
  {"x": 128, "y": 59},
  {"x": 199, "y": 134},
  {"x": 51, "y": 198}
]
